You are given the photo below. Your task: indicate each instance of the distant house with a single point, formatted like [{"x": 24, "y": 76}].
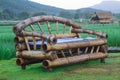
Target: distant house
[{"x": 101, "y": 17}]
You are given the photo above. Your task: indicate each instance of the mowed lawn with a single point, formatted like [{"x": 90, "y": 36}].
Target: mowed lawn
[{"x": 91, "y": 70}]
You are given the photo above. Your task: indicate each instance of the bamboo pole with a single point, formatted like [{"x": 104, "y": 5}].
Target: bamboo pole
[
  {"x": 49, "y": 28},
  {"x": 39, "y": 25},
  {"x": 57, "y": 27},
  {"x": 98, "y": 47},
  {"x": 34, "y": 41},
  {"x": 49, "y": 37},
  {"x": 20, "y": 26},
  {"x": 65, "y": 35},
  {"x": 21, "y": 61},
  {"x": 29, "y": 38},
  {"x": 71, "y": 60},
  {"x": 77, "y": 44},
  {"x": 20, "y": 46},
  {"x": 31, "y": 26},
  {"x": 102, "y": 35},
  {"x": 36, "y": 55},
  {"x": 64, "y": 28},
  {"x": 78, "y": 51},
  {"x": 28, "y": 46}
]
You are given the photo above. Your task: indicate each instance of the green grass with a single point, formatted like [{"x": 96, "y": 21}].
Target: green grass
[
  {"x": 92, "y": 70},
  {"x": 112, "y": 30},
  {"x": 7, "y": 50}
]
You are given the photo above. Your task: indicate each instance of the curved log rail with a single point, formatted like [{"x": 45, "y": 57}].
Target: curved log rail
[
  {"x": 22, "y": 25},
  {"x": 100, "y": 34}
]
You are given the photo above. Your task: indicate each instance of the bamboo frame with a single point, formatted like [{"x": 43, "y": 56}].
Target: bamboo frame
[{"x": 68, "y": 52}]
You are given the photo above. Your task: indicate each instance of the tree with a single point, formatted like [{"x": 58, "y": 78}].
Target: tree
[
  {"x": 86, "y": 14},
  {"x": 66, "y": 14},
  {"x": 77, "y": 15},
  {"x": 23, "y": 15},
  {"x": 7, "y": 14},
  {"x": 39, "y": 13}
]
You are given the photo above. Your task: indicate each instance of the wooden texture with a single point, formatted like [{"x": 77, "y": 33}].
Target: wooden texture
[
  {"x": 74, "y": 59},
  {"x": 100, "y": 34},
  {"x": 47, "y": 30},
  {"x": 70, "y": 45},
  {"x": 18, "y": 28}
]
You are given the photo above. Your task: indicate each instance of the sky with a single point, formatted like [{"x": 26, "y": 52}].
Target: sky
[{"x": 70, "y": 4}]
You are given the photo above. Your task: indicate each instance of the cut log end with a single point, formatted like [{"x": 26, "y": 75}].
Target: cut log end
[
  {"x": 45, "y": 63},
  {"x": 18, "y": 62}
]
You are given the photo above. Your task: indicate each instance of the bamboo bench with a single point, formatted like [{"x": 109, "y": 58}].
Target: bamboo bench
[{"x": 55, "y": 41}]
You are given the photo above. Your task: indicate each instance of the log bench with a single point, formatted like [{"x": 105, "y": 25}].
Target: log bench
[{"x": 55, "y": 41}]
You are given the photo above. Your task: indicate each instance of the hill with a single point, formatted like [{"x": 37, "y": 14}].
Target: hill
[
  {"x": 32, "y": 7},
  {"x": 90, "y": 10},
  {"x": 22, "y": 9},
  {"x": 113, "y": 6},
  {"x": 25, "y": 5}
]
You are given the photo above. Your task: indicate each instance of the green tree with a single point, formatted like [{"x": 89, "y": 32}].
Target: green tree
[
  {"x": 66, "y": 14},
  {"x": 39, "y": 13},
  {"x": 7, "y": 14},
  {"x": 86, "y": 15},
  {"x": 23, "y": 15},
  {"x": 77, "y": 15}
]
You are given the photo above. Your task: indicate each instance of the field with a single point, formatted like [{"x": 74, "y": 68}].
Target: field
[
  {"x": 92, "y": 70},
  {"x": 7, "y": 50}
]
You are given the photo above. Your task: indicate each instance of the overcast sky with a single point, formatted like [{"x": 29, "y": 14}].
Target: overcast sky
[{"x": 70, "y": 4}]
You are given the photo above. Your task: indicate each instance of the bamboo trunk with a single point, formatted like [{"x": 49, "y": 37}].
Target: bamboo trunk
[
  {"x": 65, "y": 35},
  {"x": 21, "y": 39},
  {"x": 36, "y": 55},
  {"x": 22, "y": 25},
  {"x": 21, "y": 61},
  {"x": 20, "y": 46},
  {"x": 71, "y": 60},
  {"x": 77, "y": 44},
  {"x": 50, "y": 38},
  {"x": 102, "y": 35},
  {"x": 31, "y": 38}
]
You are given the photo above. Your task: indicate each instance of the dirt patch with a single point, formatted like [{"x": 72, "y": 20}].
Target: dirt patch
[{"x": 104, "y": 69}]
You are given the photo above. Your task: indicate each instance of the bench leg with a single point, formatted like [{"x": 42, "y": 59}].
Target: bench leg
[
  {"x": 49, "y": 69},
  {"x": 23, "y": 67},
  {"x": 102, "y": 60}
]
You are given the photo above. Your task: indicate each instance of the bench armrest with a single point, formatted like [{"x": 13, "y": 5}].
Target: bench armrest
[
  {"x": 97, "y": 33},
  {"x": 49, "y": 37}
]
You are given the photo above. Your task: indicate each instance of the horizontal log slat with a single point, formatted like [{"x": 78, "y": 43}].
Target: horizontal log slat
[
  {"x": 70, "y": 45},
  {"x": 35, "y": 54},
  {"x": 74, "y": 59}
]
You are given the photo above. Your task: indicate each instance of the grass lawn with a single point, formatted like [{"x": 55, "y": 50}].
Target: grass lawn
[{"x": 92, "y": 70}]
